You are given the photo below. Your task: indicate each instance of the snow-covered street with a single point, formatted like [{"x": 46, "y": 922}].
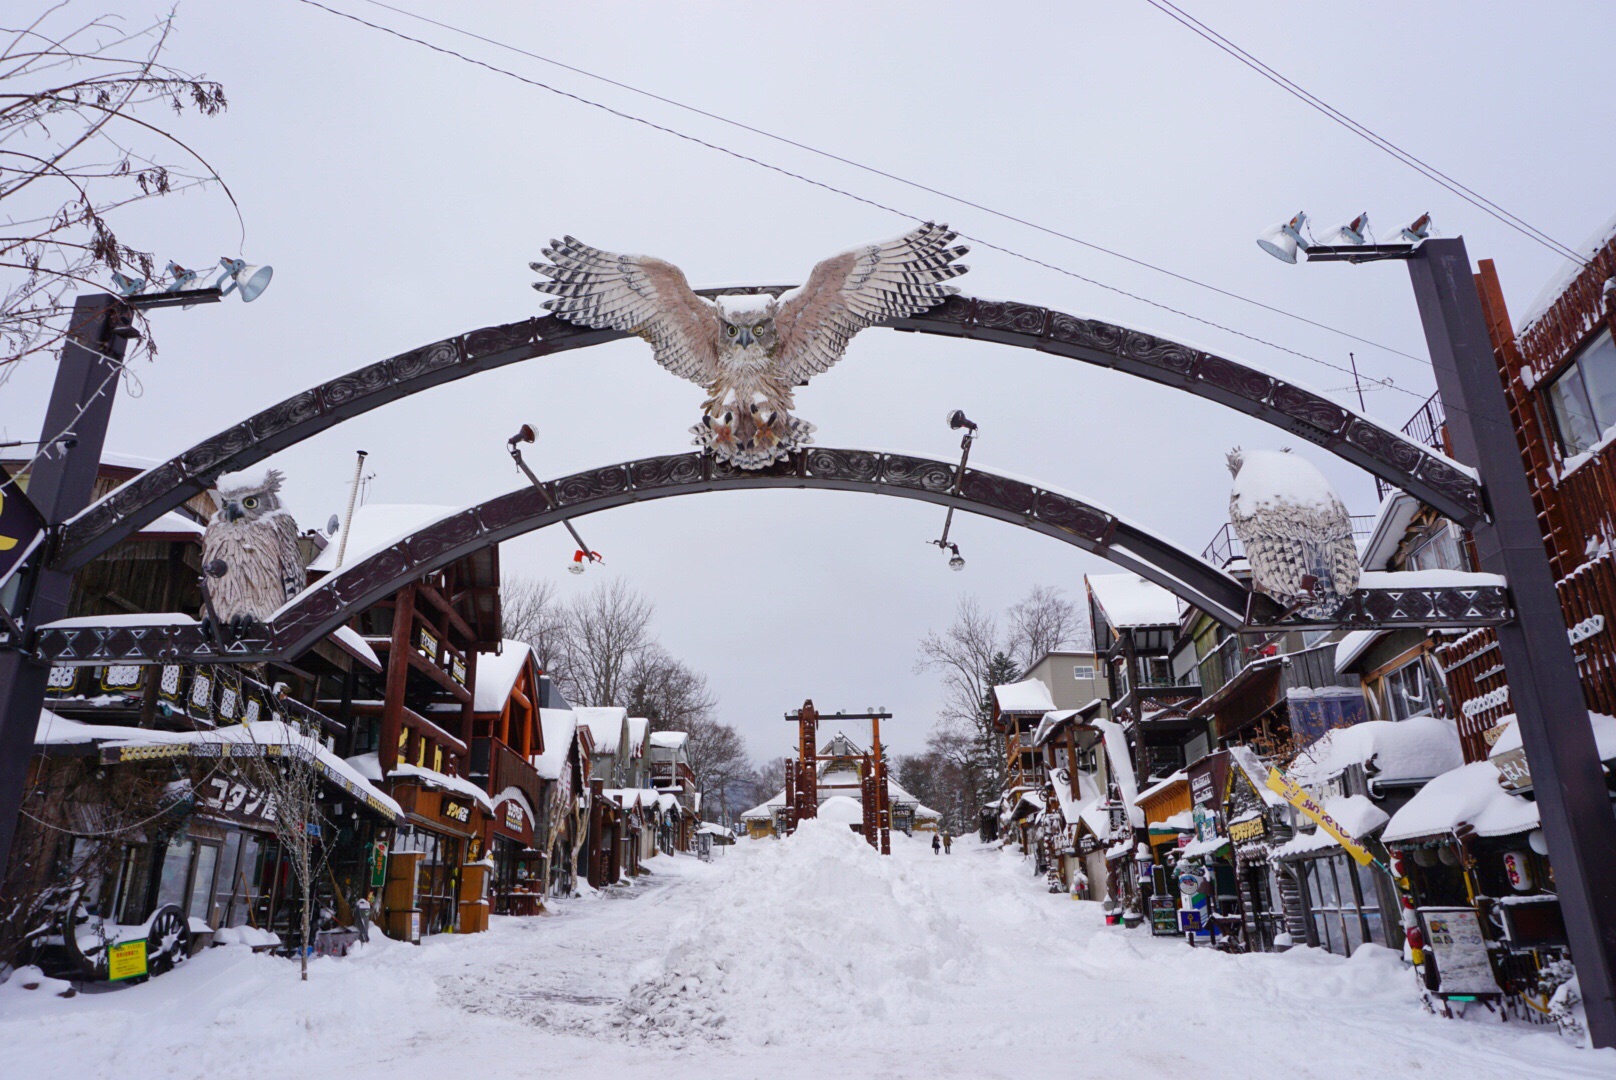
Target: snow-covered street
[{"x": 811, "y": 957}]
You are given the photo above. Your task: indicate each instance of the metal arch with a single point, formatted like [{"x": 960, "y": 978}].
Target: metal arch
[
  {"x": 327, "y": 605},
  {"x": 1387, "y": 454}
]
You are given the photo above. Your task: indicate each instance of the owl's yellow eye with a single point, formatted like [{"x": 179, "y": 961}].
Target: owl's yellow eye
[
  {"x": 758, "y": 329},
  {"x": 250, "y": 502},
  {"x": 730, "y": 330}
]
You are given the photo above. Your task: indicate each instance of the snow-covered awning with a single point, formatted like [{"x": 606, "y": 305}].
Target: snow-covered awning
[
  {"x": 1392, "y": 751},
  {"x": 1469, "y": 794},
  {"x": 1200, "y": 848},
  {"x": 1131, "y": 602},
  {"x": 261, "y": 738},
  {"x": 368, "y": 766},
  {"x": 1352, "y": 646},
  {"x": 1604, "y": 736}
]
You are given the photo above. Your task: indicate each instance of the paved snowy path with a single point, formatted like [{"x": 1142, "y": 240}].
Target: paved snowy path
[{"x": 810, "y": 958}]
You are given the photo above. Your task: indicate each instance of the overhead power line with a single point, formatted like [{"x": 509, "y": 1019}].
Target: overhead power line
[
  {"x": 977, "y": 240},
  {"x": 885, "y": 174},
  {"x": 1430, "y": 172}
]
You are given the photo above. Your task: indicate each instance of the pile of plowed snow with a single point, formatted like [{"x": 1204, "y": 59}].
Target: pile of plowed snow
[{"x": 816, "y": 932}]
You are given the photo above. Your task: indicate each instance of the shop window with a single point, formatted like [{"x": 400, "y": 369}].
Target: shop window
[
  {"x": 207, "y": 862},
  {"x": 1437, "y": 550},
  {"x": 1342, "y": 900},
  {"x": 176, "y": 873},
  {"x": 1406, "y": 691},
  {"x": 1583, "y": 397}
]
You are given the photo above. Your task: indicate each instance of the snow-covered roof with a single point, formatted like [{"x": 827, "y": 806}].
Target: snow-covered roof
[
  {"x": 1273, "y": 478},
  {"x": 1604, "y": 736},
  {"x": 1397, "y": 751},
  {"x": 369, "y": 766},
  {"x": 637, "y": 727},
  {"x": 559, "y": 727},
  {"x": 1196, "y": 848},
  {"x": 1026, "y": 696},
  {"x": 1352, "y": 646},
  {"x": 374, "y": 527},
  {"x": 1471, "y": 793},
  {"x": 354, "y": 643},
  {"x": 1356, "y": 814},
  {"x": 1568, "y": 272},
  {"x": 1128, "y": 600},
  {"x": 172, "y": 522},
  {"x": 1397, "y": 510},
  {"x": 1051, "y": 721},
  {"x": 765, "y": 811},
  {"x": 1121, "y": 766},
  {"x": 669, "y": 740},
  {"x": 1179, "y": 777},
  {"x": 1429, "y": 579},
  {"x": 1246, "y": 760},
  {"x": 605, "y": 724},
  {"x": 497, "y": 674},
  {"x": 1305, "y": 843}
]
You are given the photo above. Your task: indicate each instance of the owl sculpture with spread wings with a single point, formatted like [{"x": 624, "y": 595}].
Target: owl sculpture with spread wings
[
  {"x": 251, "y": 546},
  {"x": 751, "y": 361},
  {"x": 1296, "y": 531}
]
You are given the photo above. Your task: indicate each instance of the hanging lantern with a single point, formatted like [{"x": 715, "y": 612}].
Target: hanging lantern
[
  {"x": 1538, "y": 842},
  {"x": 1518, "y": 865}
]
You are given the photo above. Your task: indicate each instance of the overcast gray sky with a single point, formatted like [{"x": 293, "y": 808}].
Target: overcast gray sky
[{"x": 400, "y": 195}]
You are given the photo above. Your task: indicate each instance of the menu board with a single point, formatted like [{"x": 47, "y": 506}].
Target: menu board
[{"x": 1453, "y": 934}]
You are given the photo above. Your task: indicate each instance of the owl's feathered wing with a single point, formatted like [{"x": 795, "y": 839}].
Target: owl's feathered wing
[
  {"x": 293, "y": 574},
  {"x": 860, "y": 288},
  {"x": 638, "y": 294},
  {"x": 1286, "y": 543}
]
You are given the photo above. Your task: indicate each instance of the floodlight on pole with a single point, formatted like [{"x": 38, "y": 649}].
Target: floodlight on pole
[
  {"x": 1284, "y": 239},
  {"x": 1417, "y": 230},
  {"x": 242, "y": 277},
  {"x": 585, "y": 554},
  {"x": 1354, "y": 232},
  {"x": 180, "y": 278},
  {"x": 128, "y": 286}
]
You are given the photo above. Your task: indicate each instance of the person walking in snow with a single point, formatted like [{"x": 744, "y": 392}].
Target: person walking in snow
[
  {"x": 361, "y": 912},
  {"x": 948, "y": 843},
  {"x": 936, "y": 844}
]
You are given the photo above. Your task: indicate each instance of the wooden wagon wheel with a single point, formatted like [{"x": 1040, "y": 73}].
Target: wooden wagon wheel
[
  {"x": 168, "y": 940},
  {"x": 92, "y": 962}
]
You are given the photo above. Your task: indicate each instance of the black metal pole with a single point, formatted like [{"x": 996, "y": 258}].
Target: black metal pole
[
  {"x": 60, "y": 485},
  {"x": 1544, "y": 684}
]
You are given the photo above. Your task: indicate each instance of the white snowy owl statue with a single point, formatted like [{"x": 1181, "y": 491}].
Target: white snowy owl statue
[
  {"x": 1297, "y": 533},
  {"x": 255, "y": 540}
]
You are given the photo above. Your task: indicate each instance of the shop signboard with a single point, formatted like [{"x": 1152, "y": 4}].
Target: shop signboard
[
  {"x": 1311, "y": 807},
  {"x": 1243, "y": 832},
  {"x": 415, "y": 926},
  {"x": 1163, "y": 916},
  {"x": 21, "y": 525},
  {"x": 126, "y": 960},
  {"x": 1453, "y": 934},
  {"x": 1513, "y": 770},
  {"x": 456, "y": 811},
  {"x": 378, "y": 864},
  {"x": 236, "y": 800},
  {"x": 1202, "y": 788}
]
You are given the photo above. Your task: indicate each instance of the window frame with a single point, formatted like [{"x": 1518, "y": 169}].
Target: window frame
[{"x": 1575, "y": 371}]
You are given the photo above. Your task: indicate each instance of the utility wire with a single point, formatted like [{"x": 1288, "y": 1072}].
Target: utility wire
[
  {"x": 858, "y": 198},
  {"x": 886, "y": 175},
  {"x": 1430, "y": 172}
]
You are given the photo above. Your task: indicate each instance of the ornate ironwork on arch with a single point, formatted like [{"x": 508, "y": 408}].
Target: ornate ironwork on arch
[
  {"x": 1387, "y": 454},
  {"x": 333, "y": 600}
]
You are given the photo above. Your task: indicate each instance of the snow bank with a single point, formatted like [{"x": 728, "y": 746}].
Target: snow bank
[{"x": 819, "y": 917}]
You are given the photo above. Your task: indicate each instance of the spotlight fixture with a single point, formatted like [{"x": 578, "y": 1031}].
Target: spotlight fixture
[
  {"x": 1353, "y": 232},
  {"x": 1417, "y": 230},
  {"x": 957, "y": 419},
  {"x": 1282, "y": 240},
  {"x": 243, "y": 277},
  {"x": 128, "y": 286},
  {"x": 957, "y": 561},
  {"x": 180, "y": 279}
]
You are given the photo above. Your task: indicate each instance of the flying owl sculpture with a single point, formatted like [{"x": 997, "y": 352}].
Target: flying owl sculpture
[
  {"x": 751, "y": 360},
  {"x": 1297, "y": 534},
  {"x": 249, "y": 550}
]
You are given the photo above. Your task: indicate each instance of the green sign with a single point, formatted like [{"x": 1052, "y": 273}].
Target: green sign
[{"x": 378, "y": 864}]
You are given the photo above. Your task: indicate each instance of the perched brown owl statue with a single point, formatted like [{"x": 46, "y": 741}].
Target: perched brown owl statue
[
  {"x": 255, "y": 540},
  {"x": 751, "y": 361},
  {"x": 1296, "y": 532}
]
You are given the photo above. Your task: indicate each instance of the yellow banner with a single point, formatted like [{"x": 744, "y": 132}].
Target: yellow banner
[
  {"x": 1310, "y": 806},
  {"x": 126, "y": 960}
]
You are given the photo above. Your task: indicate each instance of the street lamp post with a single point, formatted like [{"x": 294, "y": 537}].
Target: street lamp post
[
  {"x": 1544, "y": 684},
  {"x": 61, "y": 481},
  {"x": 60, "y": 484}
]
